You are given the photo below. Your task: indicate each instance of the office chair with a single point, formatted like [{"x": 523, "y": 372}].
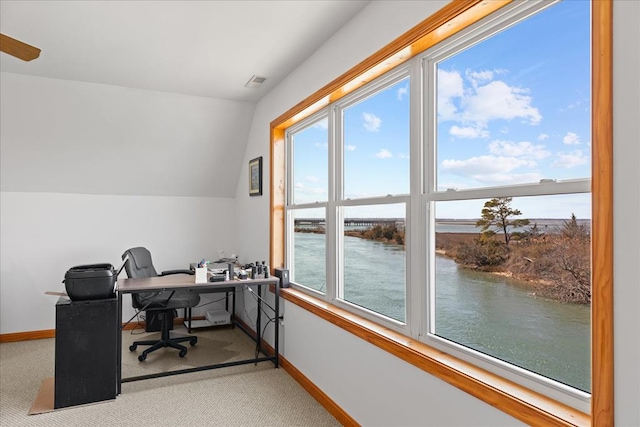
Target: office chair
[{"x": 164, "y": 302}]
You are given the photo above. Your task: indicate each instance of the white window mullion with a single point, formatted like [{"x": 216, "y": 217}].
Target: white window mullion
[
  {"x": 414, "y": 244},
  {"x": 335, "y": 181}
]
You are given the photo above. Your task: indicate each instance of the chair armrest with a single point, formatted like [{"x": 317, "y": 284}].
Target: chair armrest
[{"x": 168, "y": 272}]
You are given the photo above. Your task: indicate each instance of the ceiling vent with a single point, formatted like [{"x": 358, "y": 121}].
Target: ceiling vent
[{"x": 255, "y": 81}]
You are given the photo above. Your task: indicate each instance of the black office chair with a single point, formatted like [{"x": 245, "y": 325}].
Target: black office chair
[{"x": 163, "y": 302}]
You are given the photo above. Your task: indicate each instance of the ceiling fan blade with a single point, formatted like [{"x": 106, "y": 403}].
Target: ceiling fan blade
[{"x": 18, "y": 49}]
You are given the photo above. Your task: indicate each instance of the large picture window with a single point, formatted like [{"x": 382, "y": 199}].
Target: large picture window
[{"x": 458, "y": 207}]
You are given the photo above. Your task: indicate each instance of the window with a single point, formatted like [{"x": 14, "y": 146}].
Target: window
[
  {"x": 487, "y": 140},
  {"x": 308, "y": 188},
  {"x": 506, "y": 179},
  {"x": 509, "y": 282},
  {"x": 367, "y": 200}
]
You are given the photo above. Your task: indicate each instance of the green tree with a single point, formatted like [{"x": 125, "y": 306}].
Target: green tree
[{"x": 497, "y": 215}]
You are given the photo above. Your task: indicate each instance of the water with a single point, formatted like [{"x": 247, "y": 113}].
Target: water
[{"x": 492, "y": 314}]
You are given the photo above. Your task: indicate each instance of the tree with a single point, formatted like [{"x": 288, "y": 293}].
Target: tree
[
  {"x": 496, "y": 216},
  {"x": 571, "y": 229}
]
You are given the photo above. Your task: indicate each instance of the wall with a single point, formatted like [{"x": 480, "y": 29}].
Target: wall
[
  {"x": 90, "y": 170},
  {"x": 86, "y": 138},
  {"x": 375, "y": 388}
]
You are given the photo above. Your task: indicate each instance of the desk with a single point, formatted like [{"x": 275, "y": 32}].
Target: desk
[{"x": 186, "y": 282}]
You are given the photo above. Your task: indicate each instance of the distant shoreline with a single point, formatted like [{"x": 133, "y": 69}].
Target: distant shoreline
[{"x": 449, "y": 244}]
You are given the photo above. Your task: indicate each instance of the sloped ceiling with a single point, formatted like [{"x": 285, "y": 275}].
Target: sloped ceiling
[
  {"x": 200, "y": 48},
  {"x": 145, "y": 97}
]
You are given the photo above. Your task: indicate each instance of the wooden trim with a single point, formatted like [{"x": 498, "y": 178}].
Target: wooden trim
[
  {"x": 521, "y": 403},
  {"x": 332, "y": 407},
  {"x": 277, "y": 194},
  {"x": 51, "y": 333},
  {"x": 506, "y": 396},
  {"x": 27, "y": 336},
  {"x": 452, "y": 18},
  {"x": 602, "y": 399}
]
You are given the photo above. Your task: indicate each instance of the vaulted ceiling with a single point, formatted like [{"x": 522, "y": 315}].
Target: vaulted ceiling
[{"x": 201, "y": 48}]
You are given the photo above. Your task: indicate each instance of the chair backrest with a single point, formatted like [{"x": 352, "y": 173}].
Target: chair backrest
[{"x": 140, "y": 264}]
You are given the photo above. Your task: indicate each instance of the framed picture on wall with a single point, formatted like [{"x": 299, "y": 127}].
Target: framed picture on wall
[{"x": 255, "y": 177}]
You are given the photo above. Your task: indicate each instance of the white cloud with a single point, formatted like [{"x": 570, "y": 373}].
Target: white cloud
[
  {"x": 497, "y": 100},
  {"x": 570, "y": 159},
  {"x": 349, "y": 147},
  {"x": 299, "y": 185},
  {"x": 468, "y": 132},
  {"x": 310, "y": 194},
  {"x": 578, "y": 103},
  {"x": 571, "y": 139},
  {"x": 402, "y": 92},
  {"x": 484, "y": 165},
  {"x": 542, "y": 137},
  {"x": 479, "y": 99},
  {"x": 371, "y": 122},
  {"x": 384, "y": 154},
  {"x": 322, "y": 124},
  {"x": 450, "y": 86},
  {"x": 523, "y": 149},
  {"x": 323, "y": 145},
  {"x": 510, "y": 179},
  {"x": 311, "y": 178},
  {"x": 477, "y": 77}
]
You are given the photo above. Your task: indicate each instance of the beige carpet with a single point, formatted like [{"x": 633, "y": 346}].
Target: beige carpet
[{"x": 236, "y": 396}]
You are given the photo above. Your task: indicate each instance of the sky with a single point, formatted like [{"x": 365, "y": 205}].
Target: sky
[{"x": 512, "y": 109}]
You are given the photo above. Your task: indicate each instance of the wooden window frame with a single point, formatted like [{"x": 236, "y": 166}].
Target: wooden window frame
[{"x": 513, "y": 399}]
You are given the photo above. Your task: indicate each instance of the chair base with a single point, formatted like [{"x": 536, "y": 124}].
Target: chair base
[{"x": 165, "y": 341}]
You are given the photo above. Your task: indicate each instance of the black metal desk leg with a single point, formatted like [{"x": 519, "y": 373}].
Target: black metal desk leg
[
  {"x": 277, "y": 327},
  {"x": 259, "y": 316},
  {"x": 119, "y": 340}
]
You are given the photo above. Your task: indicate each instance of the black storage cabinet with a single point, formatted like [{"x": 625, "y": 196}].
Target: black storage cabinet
[{"x": 86, "y": 348}]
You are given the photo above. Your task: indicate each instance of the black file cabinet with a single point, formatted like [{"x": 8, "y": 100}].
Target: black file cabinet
[{"x": 85, "y": 351}]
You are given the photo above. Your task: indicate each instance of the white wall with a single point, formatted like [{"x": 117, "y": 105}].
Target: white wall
[
  {"x": 357, "y": 375},
  {"x": 44, "y": 234},
  {"x": 90, "y": 170},
  {"x": 85, "y": 138}
]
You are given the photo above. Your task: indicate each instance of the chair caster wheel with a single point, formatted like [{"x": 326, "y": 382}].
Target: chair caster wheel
[
  {"x": 193, "y": 342},
  {"x": 133, "y": 347},
  {"x": 142, "y": 357},
  {"x": 182, "y": 353}
]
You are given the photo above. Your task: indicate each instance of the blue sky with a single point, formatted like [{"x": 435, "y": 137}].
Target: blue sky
[{"x": 512, "y": 109}]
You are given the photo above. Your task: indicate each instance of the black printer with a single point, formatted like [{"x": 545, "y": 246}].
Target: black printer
[{"x": 89, "y": 282}]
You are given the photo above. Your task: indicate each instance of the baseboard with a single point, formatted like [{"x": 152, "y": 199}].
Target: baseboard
[
  {"x": 51, "y": 333},
  {"x": 321, "y": 397},
  {"x": 27, "y": 336}
]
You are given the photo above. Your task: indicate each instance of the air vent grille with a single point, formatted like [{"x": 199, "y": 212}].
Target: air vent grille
[{"x": 255, "y": 81}]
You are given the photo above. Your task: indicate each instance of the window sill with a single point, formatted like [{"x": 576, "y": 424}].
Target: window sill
[{"x": 513, "y": 399}]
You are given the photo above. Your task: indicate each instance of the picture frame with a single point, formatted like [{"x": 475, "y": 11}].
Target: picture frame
[{"x": 255, "y": 177}]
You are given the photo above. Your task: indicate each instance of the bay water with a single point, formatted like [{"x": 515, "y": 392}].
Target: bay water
[{"x": 493, "y": 314}]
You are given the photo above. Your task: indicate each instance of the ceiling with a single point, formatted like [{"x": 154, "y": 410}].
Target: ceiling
[{"x": 200, "y": 48}]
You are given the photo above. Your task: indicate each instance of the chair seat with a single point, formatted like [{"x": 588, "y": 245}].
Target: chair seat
[
  {"x": 138, "y": 264},
  {"x": 164, "y": 300}
]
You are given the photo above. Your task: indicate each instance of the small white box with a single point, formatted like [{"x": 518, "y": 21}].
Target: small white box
[
  {"x": 201, "y": 275},
  {"x": 218, "y": 317}
]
